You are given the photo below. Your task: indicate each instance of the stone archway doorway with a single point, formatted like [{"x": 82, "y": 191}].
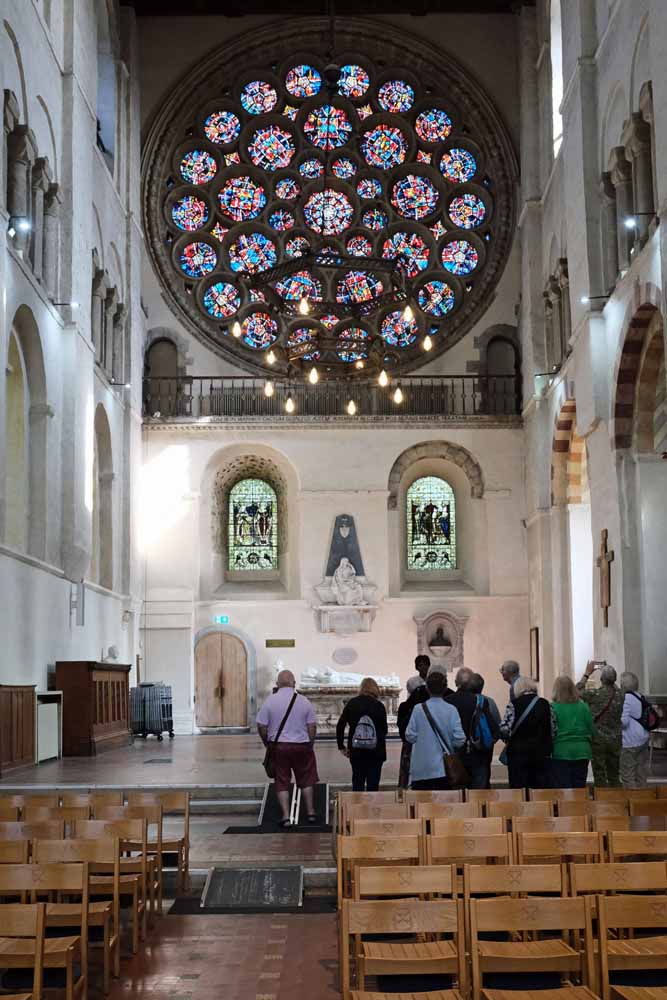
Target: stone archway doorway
[{"x": 221, "y": 682}]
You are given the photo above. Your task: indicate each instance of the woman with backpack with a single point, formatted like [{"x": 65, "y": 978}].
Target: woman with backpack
[
  {"x": 365, "y": 718},
  {"x": 634, "y": 733}
]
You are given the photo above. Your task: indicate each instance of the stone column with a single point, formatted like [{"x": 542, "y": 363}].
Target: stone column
[
  {"x": 41, "y": 181},
  {"x": 110, "y": 306},
  {"x": 99, "y": 294},
  {"x": 10, "y": 121},
  {"x": 609, "y": 237},
  {"x": 637, "y": 142},
  {"x": 621, "y": 178},
  {"x": 548, "y": 329},
  {"x": 52, "y": 202},
  {"x": 563, "y": 279},
  {"x": 118, "y": 344},
  {"x": 21, "y": 150},
  {"x": 555, "y": 352},
  {"x": 646, "y": 108}
]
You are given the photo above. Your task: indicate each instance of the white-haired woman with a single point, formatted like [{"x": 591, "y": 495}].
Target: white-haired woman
[
  {"x": 528, "y": 729},
  {"x": 635, "y": 738}
]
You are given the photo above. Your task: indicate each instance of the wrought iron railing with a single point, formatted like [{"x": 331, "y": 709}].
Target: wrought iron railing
[{"x": 196, "y": 397}]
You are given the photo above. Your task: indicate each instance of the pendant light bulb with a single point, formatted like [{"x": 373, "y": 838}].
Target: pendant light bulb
[
  {"x": 408, "y": 313},
  {"x": 304, "y": 306},
  {"x": 359, "y": 364},
  {"x": 236, "y": 329},
  {"x": 313, "y": 376},
  {"x": 289, "y": 404},
  {"x": 271, "y": 358},
  {"x": 352, "y": 408},
  {"x": 398, "y": 394},
  {"x": 383, "y": 378},
  {"x": 268, "y": 388},
  {"x": 427, "y": 343}
]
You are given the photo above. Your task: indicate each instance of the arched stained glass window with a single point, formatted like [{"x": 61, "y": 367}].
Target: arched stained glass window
[
  {"x": 431, "y": 525},
  {"x": 253, "y": 526}
]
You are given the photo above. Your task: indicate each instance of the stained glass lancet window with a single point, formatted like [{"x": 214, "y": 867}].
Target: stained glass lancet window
[
  {"x": 431, "y": 525},
  {"x": 253, "y": 526}
]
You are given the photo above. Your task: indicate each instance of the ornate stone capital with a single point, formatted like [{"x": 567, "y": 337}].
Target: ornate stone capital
[
  {"x": 120, "y": 315},
  {"x": 21, "y": 145},
  {"x": 636, "y": 136},
  {"x": 39, "y": 410},
  {"x": 606, "y": 188},
  {"x": 111, "y": 301},
  {"x": 53, "y": 200},
  {"x": 619, "y": 167},
  {"x": 100, "y": 284},
  {"x": 41, "y": 174}
]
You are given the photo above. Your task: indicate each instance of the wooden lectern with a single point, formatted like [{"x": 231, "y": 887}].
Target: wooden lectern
[{"x": 96, "y": 706}]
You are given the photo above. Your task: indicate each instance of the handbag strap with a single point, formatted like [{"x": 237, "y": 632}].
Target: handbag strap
[
  {"x": 285, "y": 718},
  {"x": 524, "y": 715},
  {"x": 441, "y": 739},
  {"x": 604, "y": 711}
]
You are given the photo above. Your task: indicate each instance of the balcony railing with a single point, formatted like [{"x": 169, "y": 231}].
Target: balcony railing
[{"x": 196, "y": 397}]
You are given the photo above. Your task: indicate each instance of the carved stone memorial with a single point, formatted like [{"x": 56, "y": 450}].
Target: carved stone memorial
[
  {"x": 347, "y": 600},
  {"x": 440, "y": 636}
]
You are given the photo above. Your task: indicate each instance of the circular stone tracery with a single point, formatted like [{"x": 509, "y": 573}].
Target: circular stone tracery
[{"x": 374, "y": 167}]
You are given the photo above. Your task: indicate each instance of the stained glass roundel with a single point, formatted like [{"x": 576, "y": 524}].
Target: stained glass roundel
[
  {"x": 374, "y": 218},
  {"x": 396, "y": 96},
  {"x": 251, "y": 253},
  {"x": 221, "y": 300},
  {"x": 398, "y": 331},
  {"x": 358, "y": 286},
  {"x": 198, "y": 259},
  {"x": 458, "y": 165},
  {"x": 241, "y": 198},
  {"x": 303, "y": 81},
  {"x": 189, "y": 213},
  {"x": 410, "y": 250},
  {"x": 384, "y": 146},
  {"x": 352, "y": 344},
  {"x": 287, "y": 189},
  {"x": 258, "y": 97},
  {"x": 281, "y": 220},
  {"x": 359, "y": 246},
  {"x": 354, "y": 81},
  {"x": 259, "y": 330},
  {"x": 343, "y": 168},
  {"x": 433, "y": 125},
  {"x": 311, "y": 168},
  {"x": 297, "y": 246},
  {"x": 414, "y": 196},
  {"x": 459, "y": 257},
  {"x": 369, "y": 187},
  {"x": 271, "y": 148},
  {"x": 436, "y": 298},
  {"x": 198, "y": 167},
  {"x": 467, "y": 211},
  {"x": 222, "y": 127},
  {"x": 299, "y": 286},
  {"x": 328, "y": 212},
  {"x": 327, "y": 127}
]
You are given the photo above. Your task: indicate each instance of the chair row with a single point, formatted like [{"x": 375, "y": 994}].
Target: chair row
[
  {"x": 501, "y": 794},
  {"x": 454, "y": 944}
]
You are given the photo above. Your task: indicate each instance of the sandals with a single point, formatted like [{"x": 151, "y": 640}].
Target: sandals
[{"x": 284, "y": 823}]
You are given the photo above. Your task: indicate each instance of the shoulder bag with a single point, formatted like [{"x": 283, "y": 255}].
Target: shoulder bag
[
  {"x": 269, "y": 758},
  {"x": 524, "y": 715},
  {"x": 455, "y": 770},
  {"x": 596, "y": 718}
]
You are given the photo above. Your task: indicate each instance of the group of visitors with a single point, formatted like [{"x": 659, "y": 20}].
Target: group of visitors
[{"x": 448, "y": 735}]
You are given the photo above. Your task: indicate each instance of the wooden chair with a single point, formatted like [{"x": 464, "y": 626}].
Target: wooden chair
[
  {"x": 10, "y": 800},
  {"x": 133, "y": 869},
  {"x": 388, "y": 827},
  {"x": 581, "y": 807},
  {"x": 624, "y": 794},
  {"x": 92, "y": 798},
  {"x": 513, "y": 880},
  {"x": 476, "y": 849},
  {"x": 604, "y": 824},
  {"x": 154, "y": 845},
  {"x": 495, "y": 795},
  {"x": 45, "y": 800},
  {"x": 536, "y": 914},
  {"x": 558, "y": 794},
  {"x": 635, "y": 844},
  {"x": 22, "y": 944},
  {"x": 353, "y": 851},
  {"x": 630, "y": 913},
  {"x": 436, "y": 956},
  {"x": 448, "y": 795},
  {"x": 8, "y": 814},
  {"x": 512, "y": 810},
  {"x": 648, "y": 807},
  {"x": 537, "y": 847},
  {"x": 661, "y": 791},
  {"x": 59, "y": 953},
  {"x": 477, "y": 826},
  {"x": 100, "y": 913},
  {"x": 447, "y": 810},
  {"x": 551, "y": 824},
  {"x": 365, "y": 810},
  {"x": 173, "y": 803},
  {"x": 422, "y": 881},
  {"x": 366, "y": 798},
  {"x": 647, "y": 876},
  {"x": 638, "y": 992},
  {"x": 14, "y": 852},
  {"x": 45, "y": 814},
  {"x": 55, "y": 830}
]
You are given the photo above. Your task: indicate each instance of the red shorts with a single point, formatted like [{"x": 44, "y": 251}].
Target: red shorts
[{"x": 297, "y": 757}]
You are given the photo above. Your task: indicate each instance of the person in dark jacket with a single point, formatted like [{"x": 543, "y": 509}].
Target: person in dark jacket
[
  {"x": 417, "y": 694},
  {"x": 529, "y": 740},
  {"x": 365, "y": 719},
  {"x": 478, "y": 760}
]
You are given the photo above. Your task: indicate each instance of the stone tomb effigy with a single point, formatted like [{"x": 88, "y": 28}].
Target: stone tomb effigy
[{"x": 328, "y": 691}]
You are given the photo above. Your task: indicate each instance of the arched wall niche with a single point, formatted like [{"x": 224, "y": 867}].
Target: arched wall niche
[
  {"x": 631, "y": 398},
  {"x": 224, "y": 470},
  {"x": 443, "y": 450},
  {"x": 181, "y": 343}
]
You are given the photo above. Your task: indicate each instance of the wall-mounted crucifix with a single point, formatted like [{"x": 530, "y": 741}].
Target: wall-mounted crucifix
[{"x": 603, "y": 562}]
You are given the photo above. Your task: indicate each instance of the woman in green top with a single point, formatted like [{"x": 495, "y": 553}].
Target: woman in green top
[{"x": 574, "y": 732}]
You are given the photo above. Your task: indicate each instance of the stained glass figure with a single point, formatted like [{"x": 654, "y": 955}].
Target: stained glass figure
[
  {"x": 198, "y": 259},
  {"x": 252, "y": 531},
  {"x": 384, "y": 146},
  {"x": 328, "y": 212},
  {"x": 281, "y": 220},
  {"x": 311, "y": 169},
  {"x": 291, "y": 112},
  {"x": 219, "y": 232},
  {"x": 271, "y": 148},
  {"x": 252, "y": 252},
  {"x": 241, "y": 198},
  {"x": 221, "y": 300},
  {"x": 458, "y": 165},
  {"x": 301, "y": 285},
  {"x": 436, "y": 298},
  {"x": 364, "y": 111},
  {"x": 359, "y": 246},
  {"x": 343, "y": 168},
  {"x": 431, "y": 525},
  {"x": 327, "y": 127},
  {"x": 297, "y": 246},
  {"x": 354, "y": 81},
  {"x": 459, "y": 257},
  {"x": 303, "y": 81},
  {"x": 259, "y": 331},
  {"x": 258, "y": 97},
  {"x": 375, "y": 219},
  {"x": 358, "y": 286},
  {"x": 287, "y": 189},
  {"x": 222, "y": 127},
  {"x": 351, "y": 344},
  {"x": 414, "y": 196},
  {"x": 398, "y": 331},
  {"x": 433, "y": 125},
  {"x": 467, "y": 211},
  {"x": 198, "y": 167},
  {"x": 369, "y": 187},
  {"x": 411, "y": 251},
  {"x": 396, "y": 96},
  {"x": 189, "y": 213},
  {"x": 438, "y": 229}
]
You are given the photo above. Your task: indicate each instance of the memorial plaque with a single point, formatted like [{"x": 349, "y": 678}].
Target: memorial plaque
[
  {"x": 280, "y": 643},
  {"x": 253, "y": 888}
]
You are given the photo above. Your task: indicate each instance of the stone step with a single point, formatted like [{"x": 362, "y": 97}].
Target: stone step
[{"x": 213, "y": 807}]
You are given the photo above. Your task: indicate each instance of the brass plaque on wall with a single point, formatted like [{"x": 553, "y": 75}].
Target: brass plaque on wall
[{"x": 280, "y": 643}]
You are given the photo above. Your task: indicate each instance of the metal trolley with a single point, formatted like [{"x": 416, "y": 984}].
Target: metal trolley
[{"x": 152, "y": 711}]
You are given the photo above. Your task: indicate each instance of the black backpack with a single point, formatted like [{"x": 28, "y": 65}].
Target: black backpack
[{"x": 649, "y": 718}]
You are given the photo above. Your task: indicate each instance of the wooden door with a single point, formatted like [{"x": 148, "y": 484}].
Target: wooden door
[{"x": 221, "y": 681}]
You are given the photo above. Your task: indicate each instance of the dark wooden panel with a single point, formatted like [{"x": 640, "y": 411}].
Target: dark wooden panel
[
  {"x": 17, "y": 725},
  {"x": 95, "y": 706}
]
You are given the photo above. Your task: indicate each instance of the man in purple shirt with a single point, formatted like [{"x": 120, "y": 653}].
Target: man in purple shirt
[{"x": 294, "y": 749}]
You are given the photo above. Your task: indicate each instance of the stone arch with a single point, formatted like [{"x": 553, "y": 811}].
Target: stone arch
[
  {"x": 628, "y": 401},
  {"x": 640, "y": 69},
  {"x": 616, "y": 113},
  {"x": 569, "y": 481},
  {"x": 52, "y": 133},
  {"x": 182, "y": 345},
  {"x": 102, "y": 520},
  {"x": 435, "y": 449},
  {"x": 25, "y": 117},
  {"x": 231, "y": 473}
]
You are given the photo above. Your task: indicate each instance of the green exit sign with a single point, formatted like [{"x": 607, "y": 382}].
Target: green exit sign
[{"x": 221, "y": 619}]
